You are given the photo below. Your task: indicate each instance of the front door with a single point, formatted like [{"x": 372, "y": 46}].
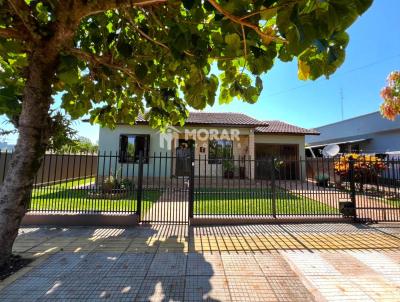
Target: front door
[{"x": 183, "y": 163}]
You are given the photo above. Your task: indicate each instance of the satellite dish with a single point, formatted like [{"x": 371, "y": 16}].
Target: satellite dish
[{"x": 330, "y": 150}]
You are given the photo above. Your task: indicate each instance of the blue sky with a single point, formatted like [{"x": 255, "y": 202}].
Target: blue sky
[{"x": 373, "y": 51}]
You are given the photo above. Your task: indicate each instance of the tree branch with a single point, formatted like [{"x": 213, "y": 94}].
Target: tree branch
[
  {"x": 143, "y": 33},
  {"x": 10, "y": 33},
  {"x": 238, "y": 20},
  {"x": 244, "y": 42},
  {"x": 100, "y": 6},
  {"x": 272, "y": 9},
  {"x": 22, "y": 10},
  {"x": 105, "y": 61},
  {"x": 244, "y": 47}
]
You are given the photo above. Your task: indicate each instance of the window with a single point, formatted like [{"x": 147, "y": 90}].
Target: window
[
  {"x": 131, "y": 145},
  {"x": 219, "y": 149}
]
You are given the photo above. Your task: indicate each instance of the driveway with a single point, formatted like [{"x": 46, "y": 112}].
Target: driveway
[{"x": 292, "y": 262}]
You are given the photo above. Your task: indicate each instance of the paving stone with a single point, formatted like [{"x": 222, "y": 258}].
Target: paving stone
[
  {"x": 249, "y": 263},
  {"x": 250, "y": 289},
  {"x": 347, "y": 265},
  {"x": 206, "y": 288},
  {"x": 382, "y": 264},
  {"x": 96, "y": 263},
  {"x": 156, "y": 289},
  {"x": 131, "y": 265},
  {"x": 204, "y": 264},
  {"x": 168, "y": 264},
  {"x": 273, "y": 264},
  {"x": 338, "y": 288},
  {"x": 117, "y": 288},
  {"x": 240, "y": 264},
  {"x": 26, "y": 288},
  {"x": 57, "y": 264},
  {"x": 64, "y": 289},
  {"x": 289, "y": 288},
  {"x": 310, "y": 263},
  {"x": 394, "y": 255},
  {"x": 377, "y": 288}
]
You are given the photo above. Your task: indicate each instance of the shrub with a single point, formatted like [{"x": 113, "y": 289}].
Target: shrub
[{"x": 366, "y": 167}]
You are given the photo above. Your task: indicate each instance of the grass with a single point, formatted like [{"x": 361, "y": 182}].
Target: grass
[
  {"x": 72, "y": 198},
  {"x": 255, "y": 201},
  {"x": 392, "y": 202}
]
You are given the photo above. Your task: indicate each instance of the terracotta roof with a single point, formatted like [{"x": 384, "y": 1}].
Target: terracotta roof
[
  {"x": 226, "y": 118},
  {"x": 284, "y": 128},
  {"x": 241, "y": 120},
  {"x": 216, "y": 118}
]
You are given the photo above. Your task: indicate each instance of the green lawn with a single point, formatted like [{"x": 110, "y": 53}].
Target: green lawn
[
  {"x": 69, "y": 197},
  {"x": 255, "y": 201},
  {"x": 392, "y": 202}
]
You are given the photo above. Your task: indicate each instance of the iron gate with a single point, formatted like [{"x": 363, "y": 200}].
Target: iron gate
[{"x": 163, "y": 196}]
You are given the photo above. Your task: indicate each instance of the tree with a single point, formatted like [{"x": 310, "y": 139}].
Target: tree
[
  {"x": 79, "y": 145},
  {"x": 391, "y": 96},
  {"x": 111, "y": 59}
]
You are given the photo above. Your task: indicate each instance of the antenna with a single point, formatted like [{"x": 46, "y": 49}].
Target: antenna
[{"x": 342, "y": 102}]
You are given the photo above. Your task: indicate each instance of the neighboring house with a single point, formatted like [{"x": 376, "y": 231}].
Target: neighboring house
[
  {"x": 211, "y": 136},
  {"x": 369, "y": 133}
]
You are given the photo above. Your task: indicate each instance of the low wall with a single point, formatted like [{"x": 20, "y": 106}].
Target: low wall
[
  {"x": 80, "y": 220},
  {"x": 239, "y": 221}
]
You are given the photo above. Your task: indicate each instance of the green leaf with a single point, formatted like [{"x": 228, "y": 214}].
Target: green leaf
[
  {"x": 234, "y": 47},
  {"x": 268, "y": 13},
  {"x": 259, "y": 83},
  {"x": 68, "y": 71},
  {"x": 141, "y": 71},
  {"x": 42, "y": 12},
  {"x": 303, "y": 70},
  {"x": 125, "y": 49}
]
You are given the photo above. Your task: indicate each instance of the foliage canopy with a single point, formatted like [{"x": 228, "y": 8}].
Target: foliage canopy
[
  {"x": 160, "y": 56},
  {"x": 390, "y": 94}
]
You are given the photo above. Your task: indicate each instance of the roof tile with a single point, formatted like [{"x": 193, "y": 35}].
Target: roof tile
[
  {"x": 217, "y": 118},
  {"x": 283, "y": 128}
]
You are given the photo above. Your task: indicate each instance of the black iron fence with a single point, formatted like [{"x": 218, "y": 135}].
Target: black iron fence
[
  {"x": 166, "y": 188},
  {"x": 365, "y": 188}
]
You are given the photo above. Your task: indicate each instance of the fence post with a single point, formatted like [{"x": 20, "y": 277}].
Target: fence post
[
  {"x": 273, "y": 187},
  {"x": 140, "y": 187},
  {"x": 191, "y": 186},
  {"x": 352, "y": 186}
]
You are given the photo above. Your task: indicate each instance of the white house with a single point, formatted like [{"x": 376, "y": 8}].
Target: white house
[{"x": 210, "y": 135}]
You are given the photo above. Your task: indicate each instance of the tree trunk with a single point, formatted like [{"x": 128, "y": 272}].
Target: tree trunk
[{"x": 33, "y": 125}]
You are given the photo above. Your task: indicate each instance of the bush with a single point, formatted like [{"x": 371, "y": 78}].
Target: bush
[{"x": 366, "y": 167}]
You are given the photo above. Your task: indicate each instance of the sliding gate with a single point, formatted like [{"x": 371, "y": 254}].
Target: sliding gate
[{"x": 175, "y": 189}]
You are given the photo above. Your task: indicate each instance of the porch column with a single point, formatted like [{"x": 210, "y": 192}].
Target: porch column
[{"x": 252, "y": 153}]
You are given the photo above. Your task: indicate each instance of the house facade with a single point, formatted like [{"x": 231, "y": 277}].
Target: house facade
[
  {"x": 369, "y": 133},
  {"x": 210, "y": 136}
]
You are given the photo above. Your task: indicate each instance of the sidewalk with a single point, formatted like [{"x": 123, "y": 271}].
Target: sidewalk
[{"x": 292, "y": 262}]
